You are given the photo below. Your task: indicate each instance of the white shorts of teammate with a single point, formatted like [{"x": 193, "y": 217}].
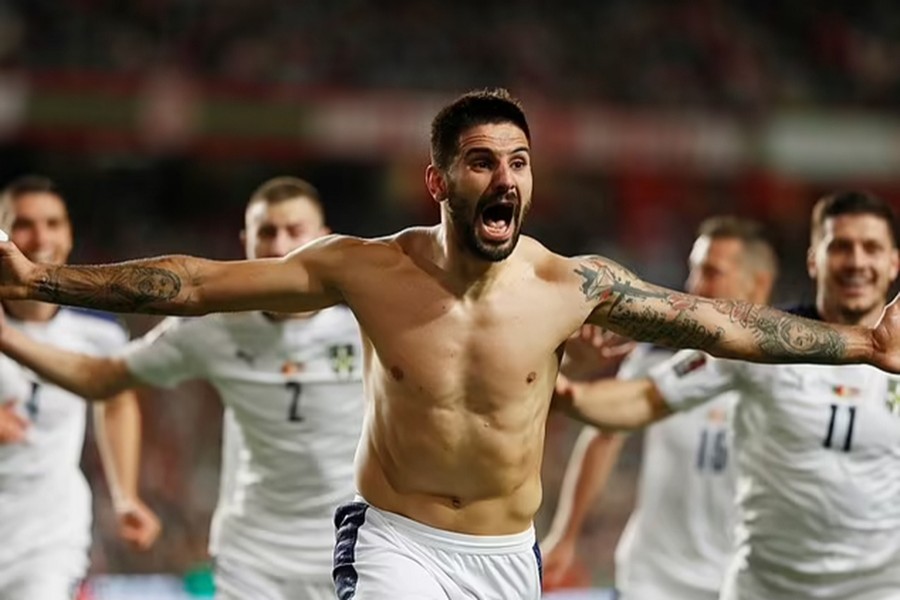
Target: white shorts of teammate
[
  {"x": 237, "y": 581},
  {"x": 47, "y": 575},
  {"x": 380, "y": 555}
]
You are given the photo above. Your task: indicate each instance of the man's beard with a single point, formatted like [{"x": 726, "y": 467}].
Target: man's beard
[{"x": 466, "y": 226}]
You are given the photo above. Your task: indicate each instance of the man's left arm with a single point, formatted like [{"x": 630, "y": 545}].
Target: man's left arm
[
  {"x": 117, "y": 425},
  {"x": 627, "y": 305}
]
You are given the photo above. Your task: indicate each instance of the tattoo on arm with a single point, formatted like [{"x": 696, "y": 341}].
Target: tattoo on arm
[
  {"x": 126, "y": 287},
  {"x": 649, "y": 313}
]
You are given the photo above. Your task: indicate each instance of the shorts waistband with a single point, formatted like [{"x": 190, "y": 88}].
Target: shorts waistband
[{"x": 452, "y": 540}]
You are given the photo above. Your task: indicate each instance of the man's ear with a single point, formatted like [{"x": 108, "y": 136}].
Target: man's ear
[
  {"x": 436, "y": 183},
  {"x": 811, "y": 263}
]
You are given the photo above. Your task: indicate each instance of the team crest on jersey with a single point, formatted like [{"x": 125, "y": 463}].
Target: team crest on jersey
[
  {"x": 845, "y": 391},
  {"x": 291, "y": 367},
  {"x": 689, "y": 364},
  {"x": 893, "y": 396},
  {"x": 343, "y": 359},
  {"x": 717, "y": 415}
]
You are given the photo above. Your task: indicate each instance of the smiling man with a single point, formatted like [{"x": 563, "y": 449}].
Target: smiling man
[{"x": 463, "y": 325}]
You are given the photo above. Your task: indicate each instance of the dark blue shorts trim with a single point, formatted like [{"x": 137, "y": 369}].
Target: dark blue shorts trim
[
  {"x": 540, "y": 561},
  {"x": 348, "y": 518}
]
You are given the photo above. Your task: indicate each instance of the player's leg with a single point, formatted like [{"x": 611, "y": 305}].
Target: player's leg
[{"x": 237, "y": 581}]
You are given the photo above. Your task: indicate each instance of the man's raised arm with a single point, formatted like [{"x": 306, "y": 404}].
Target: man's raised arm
[
  {"x": 182, "y": 285},
  {"x": 727, "y": 328}
]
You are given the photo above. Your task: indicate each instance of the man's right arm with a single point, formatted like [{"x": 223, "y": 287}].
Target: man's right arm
[
  {"x": 91, "y": 377},
  {"x": 304, "y": 280},
  {"x": 611, "y": 403}
]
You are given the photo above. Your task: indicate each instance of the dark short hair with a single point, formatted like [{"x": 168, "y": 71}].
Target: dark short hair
[
  {"x": 20, "y": 186},
  {"x": 283, "y": 188},
  {"x": 758, "y": 247},
  {"x": 851, "y": 203},
  {"x": 474, "y": 108},
  {"x": 30, "y": 184}
]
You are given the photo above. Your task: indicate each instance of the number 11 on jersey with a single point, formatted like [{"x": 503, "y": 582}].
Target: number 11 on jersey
[{"x": 840, "y": 428}]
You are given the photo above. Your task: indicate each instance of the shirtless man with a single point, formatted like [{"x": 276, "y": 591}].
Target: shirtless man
[{"x": 462, "y": 327}]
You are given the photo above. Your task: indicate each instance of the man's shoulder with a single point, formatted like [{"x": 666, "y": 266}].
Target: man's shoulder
[{"x": 348, "y": 249}]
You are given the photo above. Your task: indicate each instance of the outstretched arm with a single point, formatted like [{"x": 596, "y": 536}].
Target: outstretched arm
[
  {"x": 184, "y": 285},
  {"x": 611, "y": 403},
  {"x": 91, "y": 377},
  {"x": 726, "y": 328}
]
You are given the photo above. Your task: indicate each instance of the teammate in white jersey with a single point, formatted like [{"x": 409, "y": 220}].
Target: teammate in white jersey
[
  {"x": 817, "y": 447},
  {"x": 45, "y": 503},
  {"x": 292, "y": 388},
  {"x": 678, "y": 542}
]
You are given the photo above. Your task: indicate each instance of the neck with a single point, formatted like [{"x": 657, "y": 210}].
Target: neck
[
  {"x": 832, "y": 314},
  {"x": 30, "y": 310},
  {"x": 473, "y": 274}
]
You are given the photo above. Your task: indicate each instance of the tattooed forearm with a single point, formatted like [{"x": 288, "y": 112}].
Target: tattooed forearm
[
  {"x": 125, "y": 287},
  {"x": 723, "y": 327},
  {"x": 783, "y": 335},
  {"x": 653, "y": 325}
]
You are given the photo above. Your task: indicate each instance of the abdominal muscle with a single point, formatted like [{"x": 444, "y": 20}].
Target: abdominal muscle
[{"x": 447, "y": 466}]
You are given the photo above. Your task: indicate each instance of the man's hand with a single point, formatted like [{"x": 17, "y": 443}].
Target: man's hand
[
  {"x": 558, "y": 560},
  {"x": 138, "y": 526},
  {"x": 886, "y": 339},
  {"x": 16, "y": 272},
  {"x": 13, "y": 426},
  {"x": 593, "y": 351}
]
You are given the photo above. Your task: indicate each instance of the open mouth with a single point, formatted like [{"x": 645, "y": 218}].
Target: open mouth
[{"x": 496, "y": 221}]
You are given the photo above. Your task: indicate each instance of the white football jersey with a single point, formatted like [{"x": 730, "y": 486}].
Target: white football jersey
[
  {"x": 295, "y": 391},
  {"x": 678, "y": 541},
  {"x": 44, "y": 498},
  {"x": 818, "y": 457}
]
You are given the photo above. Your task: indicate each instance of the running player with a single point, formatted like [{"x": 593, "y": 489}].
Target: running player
[
  {"x": 45, "y": 503},
  {"x": 678, "y": 541},
  {"x": 463, "y": 325},
  {"x": 817, "y": 448},
  {"x": 292, "y": 389}
]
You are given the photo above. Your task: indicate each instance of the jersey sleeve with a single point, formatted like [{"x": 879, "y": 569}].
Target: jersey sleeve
[
  {"x": 163, "y": 357},
  {"x": 691, "y": 378}
]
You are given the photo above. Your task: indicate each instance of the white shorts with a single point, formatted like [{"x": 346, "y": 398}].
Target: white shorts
[
  {"x": 380, "y": 555},
  {"x": 237, "y": 581},
  {"x": 49, "y": 575},
  {"x": 765, "y": 582}
]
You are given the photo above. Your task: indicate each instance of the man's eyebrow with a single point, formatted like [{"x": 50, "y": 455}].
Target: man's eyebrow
[{"x": 485, "y": 150}]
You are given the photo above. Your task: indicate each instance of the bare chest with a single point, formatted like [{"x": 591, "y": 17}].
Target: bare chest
[{"x": 430, "y": 345}]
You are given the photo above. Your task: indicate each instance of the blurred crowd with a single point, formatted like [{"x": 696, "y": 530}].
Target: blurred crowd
[{"x": 738, "y": 55}]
